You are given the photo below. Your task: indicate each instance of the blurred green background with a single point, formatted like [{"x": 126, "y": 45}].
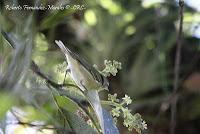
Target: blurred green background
[{"x": 141, "y": 34}]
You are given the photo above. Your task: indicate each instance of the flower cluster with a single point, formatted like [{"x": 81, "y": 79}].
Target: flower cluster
[
  {"x": 130, "y": 121},
  {"x": 112, "y": 67},
  {"x": 61, "y": 68}
]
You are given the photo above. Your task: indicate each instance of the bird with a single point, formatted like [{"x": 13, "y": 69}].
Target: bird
[{"x": 87, "y": 78}]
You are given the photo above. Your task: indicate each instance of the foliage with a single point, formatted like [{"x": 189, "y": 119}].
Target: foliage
[
  {"x": 139, "y": 34},
  {"x": 130, "y": 121}
]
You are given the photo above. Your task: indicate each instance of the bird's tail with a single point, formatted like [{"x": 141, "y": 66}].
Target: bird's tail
[
  {"x": 64, "y": 49},
  {"x": 95, "y": 102}
]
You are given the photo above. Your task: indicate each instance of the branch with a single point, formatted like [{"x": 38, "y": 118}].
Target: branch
[
  {"x": 176, "y": 70},
  {"x": 34, "y": 67}
]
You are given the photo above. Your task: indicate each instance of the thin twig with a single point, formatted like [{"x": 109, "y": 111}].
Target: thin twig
[
  {"x": 176, "y": 71},
  {"x": 34, "y": 67},
  {"x": 19, "y": 122}
]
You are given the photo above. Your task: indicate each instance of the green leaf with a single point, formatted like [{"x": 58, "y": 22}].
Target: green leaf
[
  {"x": 41, "y": 42},
  {"x": 67, "y": 103},
  {"x": 5, "y": 104},
  {"x": 79, "y": 126},
  {"x": 77, "y": 98},
  {"x": 55, "y": 17},
  {"x": 34, "y": 114}
]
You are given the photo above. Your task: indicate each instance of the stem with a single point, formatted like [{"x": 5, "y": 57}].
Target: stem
[
  {"x": 176, "y": 71},
  {"x": 110, "y": 103}
]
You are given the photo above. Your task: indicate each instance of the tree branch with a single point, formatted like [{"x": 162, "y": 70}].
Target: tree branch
[
  {"x": 34, "y": 67},
  {"x": 176, "y": 70}
]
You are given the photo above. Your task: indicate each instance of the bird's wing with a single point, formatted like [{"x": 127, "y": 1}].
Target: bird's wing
[
  {"x": 95, "y": 74},
  {"x": 64, "y": 49}
]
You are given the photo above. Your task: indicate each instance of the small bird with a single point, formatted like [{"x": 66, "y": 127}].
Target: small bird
[{"x": 87, "y": 78}]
